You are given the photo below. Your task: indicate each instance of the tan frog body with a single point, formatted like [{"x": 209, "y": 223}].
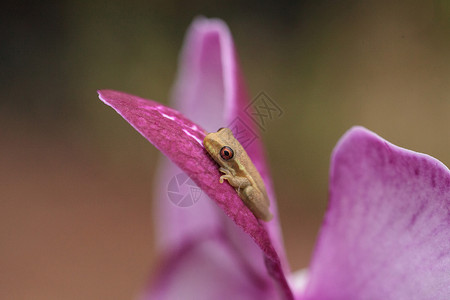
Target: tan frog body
[{"x": 239, "y": 171}]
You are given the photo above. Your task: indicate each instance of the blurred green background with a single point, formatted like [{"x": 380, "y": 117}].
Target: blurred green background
[{"x": 76, "y": 180}]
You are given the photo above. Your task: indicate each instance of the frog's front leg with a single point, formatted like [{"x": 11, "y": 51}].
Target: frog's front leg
[
  {"x": 226, "y": 176},
  {"x": 235, "y": 181}
]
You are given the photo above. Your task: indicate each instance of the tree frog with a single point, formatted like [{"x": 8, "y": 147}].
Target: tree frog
[{"x": 239, "y": 171}]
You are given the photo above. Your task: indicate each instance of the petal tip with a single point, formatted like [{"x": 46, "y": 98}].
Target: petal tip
[
  {"x": 204, "y": 25},
  {"x": 103, "y": 95},
  {"x": 351, "y": 136},
  {"x": 359, "y": 135}
]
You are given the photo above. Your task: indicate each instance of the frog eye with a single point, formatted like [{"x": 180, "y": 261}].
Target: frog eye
[{"x": 226, "y": 153}]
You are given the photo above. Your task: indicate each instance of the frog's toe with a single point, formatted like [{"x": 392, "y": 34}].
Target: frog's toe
[
  {"x": 223, "y": 177},
  {"x": 224, "y": 171}
]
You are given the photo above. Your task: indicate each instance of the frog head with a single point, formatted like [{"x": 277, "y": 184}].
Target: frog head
[{"x": 223, "y": 148}]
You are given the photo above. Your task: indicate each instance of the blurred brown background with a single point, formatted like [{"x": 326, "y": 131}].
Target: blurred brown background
[{"x": 76, "y": 180}]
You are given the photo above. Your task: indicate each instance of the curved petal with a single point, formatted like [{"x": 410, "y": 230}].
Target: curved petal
[
  {"x": 206, "y": 268},
  {"x": 199, "y": 95},
  {"x": 210, "y": 90},
  {"x": 181, "y": 141},
  {"x": 386, "y": 234}
]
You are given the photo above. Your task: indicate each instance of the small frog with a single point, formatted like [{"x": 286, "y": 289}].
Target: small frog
[{"x": 239, "y": 170}]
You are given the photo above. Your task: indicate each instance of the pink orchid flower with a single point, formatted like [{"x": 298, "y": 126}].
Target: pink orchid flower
[{"x": 386, "y": 233}]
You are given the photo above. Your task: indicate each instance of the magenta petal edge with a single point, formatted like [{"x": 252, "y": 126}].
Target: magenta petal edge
[{"x": 181, "y": 141}]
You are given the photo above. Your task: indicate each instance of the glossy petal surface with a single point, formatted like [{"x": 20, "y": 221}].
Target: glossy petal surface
[
  {"x": 181, "y": 141},
  {"x": 386, "y": 233},
  {"x": 210, "y": 90}
]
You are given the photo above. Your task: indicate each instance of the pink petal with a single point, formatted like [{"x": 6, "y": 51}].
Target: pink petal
[
  {"x": 199, "y": 95},
  {"x": 207, "y": 269},
  {"x": 386, "y": 233},
  {"x": 181, "y": 141},
  {"x": 210, "y": 90}
]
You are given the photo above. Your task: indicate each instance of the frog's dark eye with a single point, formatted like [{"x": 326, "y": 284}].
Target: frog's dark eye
[{"x": 226, "y": 153}]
